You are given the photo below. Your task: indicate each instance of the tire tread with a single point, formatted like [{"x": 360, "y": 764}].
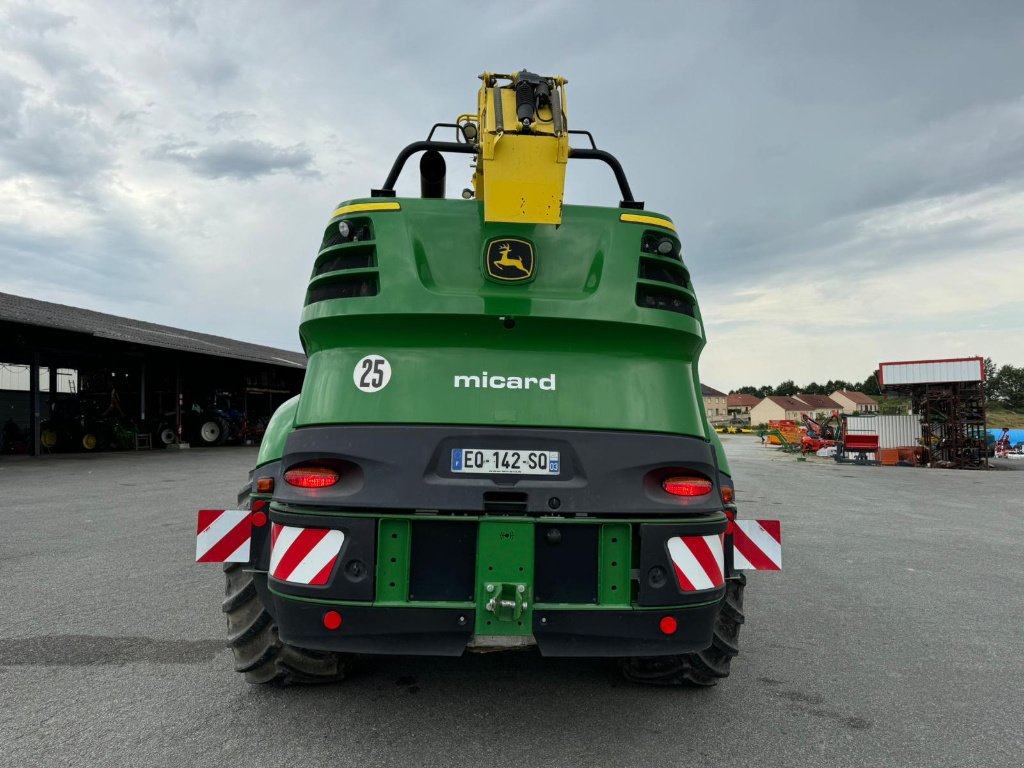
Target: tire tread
[
  {"x": 258, "y": 651},
  {"x": 700, "y": 669}
]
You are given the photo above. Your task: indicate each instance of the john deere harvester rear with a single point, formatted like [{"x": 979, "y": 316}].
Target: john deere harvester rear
[{"x": 500, "y": 441}]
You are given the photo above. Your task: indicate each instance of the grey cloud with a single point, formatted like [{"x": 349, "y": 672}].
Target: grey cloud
[
  {"x": 130, "y": 116},
  {"x": 35, "y": 21},
  {"x": 864, "y": 241},
  {"x": 59, "y": 143},
  {"x": 970, "y": 149},
  {"x": 177, "y": 16},
  {"x": 112, "y": 257},
  {"x": 239, "y": 159},
  {"x": 211, "y": 67},
  {"x": 54, "y": 57},
  {"x": 12, "y": 96},
  {"x": 34, "y": 32},
  {"x": 803, "y": 119},
  {"x": 229, "y": 120},
  {"x": 83, "y": 87}
]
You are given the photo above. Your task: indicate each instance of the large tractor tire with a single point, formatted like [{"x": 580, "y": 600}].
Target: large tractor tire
[
  {"x": 48, "y": 438},
  {"x": 259, "y": 653},
  {"x": 212, "y": 431},
  {"x": 703, "y": 668}
]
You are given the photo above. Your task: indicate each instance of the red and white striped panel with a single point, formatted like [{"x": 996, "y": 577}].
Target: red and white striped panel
[
  {"x": 303, "y": 555},
  {"x": 699, "y": 561},
  {"x": 757, "y": 545},
  {"x": 223, "y": 536}
]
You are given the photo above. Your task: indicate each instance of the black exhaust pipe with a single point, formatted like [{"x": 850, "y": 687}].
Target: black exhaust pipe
[{"x": 432, "y": 173}]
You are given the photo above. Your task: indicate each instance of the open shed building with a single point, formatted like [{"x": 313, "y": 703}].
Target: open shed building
[
  {"x": 74, "y": 379},
  {"x": 948, "y": 396}
]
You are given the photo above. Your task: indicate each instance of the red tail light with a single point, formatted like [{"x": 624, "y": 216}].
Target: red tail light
[
  {"x": 728, "y": 494},
  {"x": 311, "y": 477},
  {"x": 687, "y": 485}
]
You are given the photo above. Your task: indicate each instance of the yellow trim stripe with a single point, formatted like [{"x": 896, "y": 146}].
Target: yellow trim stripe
[
  {"x": 366, "y": 208},
  {"x": 636, "y": 218}
]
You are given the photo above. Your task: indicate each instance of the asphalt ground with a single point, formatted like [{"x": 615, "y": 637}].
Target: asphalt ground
[{"x": 892, "y": 638}]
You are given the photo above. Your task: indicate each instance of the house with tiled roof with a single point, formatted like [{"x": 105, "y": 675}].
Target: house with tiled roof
[
  {"x": 777, "y": 408},
  {"x": 740, "y": 405},
  {"x": 855, "y": 402},
  {"x": 819, "y": 404},
  {"x": 714, "y": 403}
]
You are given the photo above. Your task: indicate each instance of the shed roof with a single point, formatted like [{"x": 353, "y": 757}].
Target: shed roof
[
  {"x": 19, "y": 309},
  {"x": 911, "y": 372}
]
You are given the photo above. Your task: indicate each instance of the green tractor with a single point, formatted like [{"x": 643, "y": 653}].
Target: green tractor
[{"x": 500, "y": 441}]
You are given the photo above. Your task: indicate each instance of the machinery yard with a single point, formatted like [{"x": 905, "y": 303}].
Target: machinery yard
[
  {"x": 890, "y": 638},
  {"x": 358, "y": 403}
]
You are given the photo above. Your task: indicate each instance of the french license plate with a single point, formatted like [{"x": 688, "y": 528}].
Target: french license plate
[{"x": 488, "y": 461}]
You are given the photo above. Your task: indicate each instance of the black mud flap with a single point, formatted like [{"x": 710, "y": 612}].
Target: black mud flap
[
  {"x": 623, "y": 633},
  {"x": 411, "y": 631}
]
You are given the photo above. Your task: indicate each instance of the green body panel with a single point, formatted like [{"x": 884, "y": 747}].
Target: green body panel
[
  {"x": 437, "y": 316},
  {"x": 393, "y": 545},
  {"x": 504, "y": 570},
  {"x": 281, "y": 423},
  {"x": 613, "y": 567},
  {"x": 607, "y": 363},
  {"x": 723, "y": 460}
]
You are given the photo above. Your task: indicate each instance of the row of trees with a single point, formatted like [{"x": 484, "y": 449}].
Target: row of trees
[
  {"x": 1003, "y": 385},
  {"x": 788, "y": 388}
]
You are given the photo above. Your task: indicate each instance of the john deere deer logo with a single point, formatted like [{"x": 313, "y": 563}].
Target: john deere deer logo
[
  {"x": 510, "y": 260},
  {"x": 506, "y": 260}
]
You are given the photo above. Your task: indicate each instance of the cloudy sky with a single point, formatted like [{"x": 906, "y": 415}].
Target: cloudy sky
[{"x": 847, "y": 178}]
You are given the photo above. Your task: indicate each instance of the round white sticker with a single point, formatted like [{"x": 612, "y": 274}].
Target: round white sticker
[{"x": 372, "y": 373}]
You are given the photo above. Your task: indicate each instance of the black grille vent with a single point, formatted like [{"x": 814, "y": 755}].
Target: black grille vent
[
  {"x": 348, "y": 257},
  {"x": 664, "y": 272},
  {"x": 653, "y": 242},
  {"x": 362, "y": 285},
  {"x": 505, "y": 501},
  {"x": 360, "y": 231},
  {"x": 339, "y": 253},
  {"x": 665, "y": 280},
  {"x": 655, "y": 298}
]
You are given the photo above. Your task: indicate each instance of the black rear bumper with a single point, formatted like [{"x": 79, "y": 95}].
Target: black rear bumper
[
  {"x": 447, "y": 631},
  {"x": 623, "y": 633},
  {"x": 587, "y": 548},
  {"x": 365, "y": 629}
]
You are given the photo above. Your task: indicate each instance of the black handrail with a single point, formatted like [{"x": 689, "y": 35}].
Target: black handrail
[
  {"x": 456, "y": 126},
  {"x": 388, "y": 190},
  {"x": 588, "y": 134},
  {"x": 620, "y": 175}
]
